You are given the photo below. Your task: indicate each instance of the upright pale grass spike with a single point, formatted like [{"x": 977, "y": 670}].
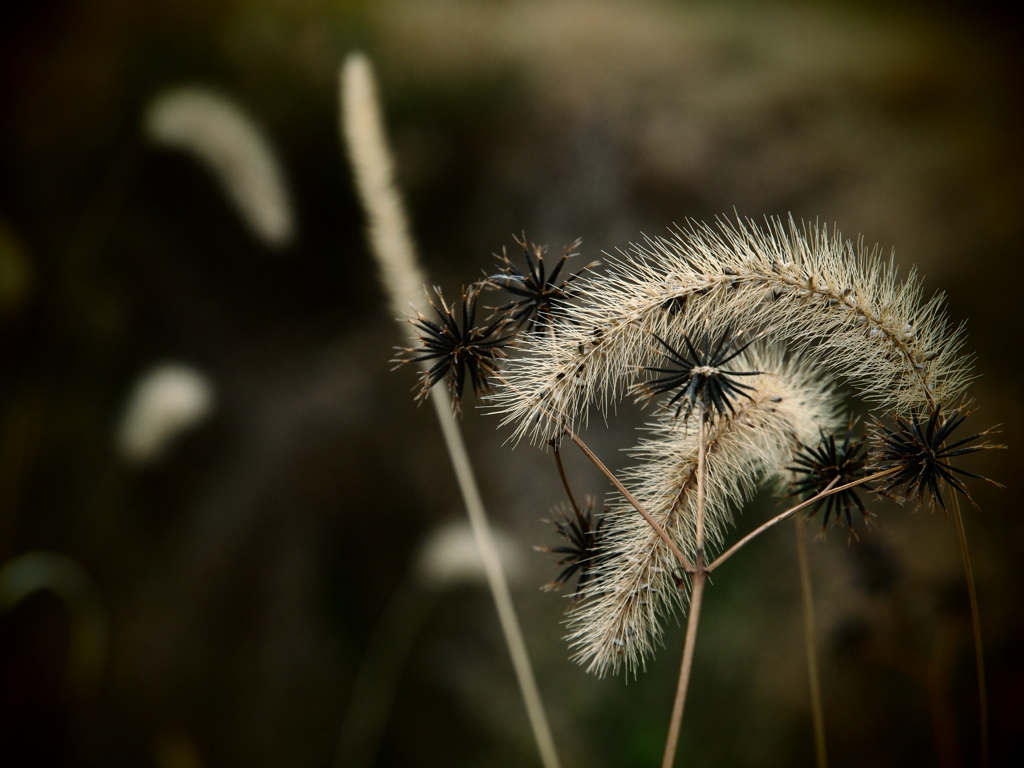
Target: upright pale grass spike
[
  {"x": 617, "y": 623},
  {"x": 362, "y": 128},
  {"x": 387, "y": 225},
  {"x": 837, "y": 301},
  {"x": 230, "y": 143}
]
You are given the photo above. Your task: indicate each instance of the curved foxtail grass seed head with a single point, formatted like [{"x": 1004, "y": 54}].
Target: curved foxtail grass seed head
[
  {"x": 833, "y": 301},
  {"x": 619, "y": 620}
]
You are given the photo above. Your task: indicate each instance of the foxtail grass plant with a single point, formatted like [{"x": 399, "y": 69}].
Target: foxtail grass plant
[
  {"x": 391, "y": 243},
  {"x": 737, "y": 338}
]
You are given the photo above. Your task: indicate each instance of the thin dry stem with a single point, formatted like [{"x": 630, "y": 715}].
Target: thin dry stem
[
  {"x": 362, "y": 128},
  {"x": 693, "y": 619},
  {"x": 701, "y": 471},
  {"x": 378, "y": 675},
  {"x": 820, "y": 750},
  {"x": 631, "y": 499},
  {"x": 979, "y": 654},
  {"x": 679, "y": 704},
  {"x": 829, "y": 490},
  {"x": 565, "y": 483}
]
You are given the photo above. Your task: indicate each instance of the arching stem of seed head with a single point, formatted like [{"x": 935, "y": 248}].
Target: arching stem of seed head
[
  {"x": 829, "y": 490},
  {"x": 565, "y": 483},
  {"x": 686, "y": 566}
]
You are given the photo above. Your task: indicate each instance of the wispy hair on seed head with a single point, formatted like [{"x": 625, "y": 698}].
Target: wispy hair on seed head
[
  {"x": 822, "y": 295},
  {"x": 617, "y": 623}
]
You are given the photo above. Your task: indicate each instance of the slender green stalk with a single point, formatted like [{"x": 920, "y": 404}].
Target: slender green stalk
[
  {"x": 378, "y": 675},
  {"x": 363, "y": 132},
  {"x": 820, "y": 750},
  {"x": 979, "y": 653}
]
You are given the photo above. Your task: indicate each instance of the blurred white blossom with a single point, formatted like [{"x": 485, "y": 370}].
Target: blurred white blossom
[
  {"x": 227, "y": 140},
  {"x": 450, "y": 555},
  {"x": 167, "y": 400}
]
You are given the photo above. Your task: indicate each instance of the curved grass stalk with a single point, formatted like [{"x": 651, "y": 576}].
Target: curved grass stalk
[{"x": 377, "y": 678}]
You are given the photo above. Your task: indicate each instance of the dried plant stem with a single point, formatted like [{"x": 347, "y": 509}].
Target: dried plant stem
[
  {"x": 678, "y": 706},
  {"x": 700, "y": 576},
  {"x": 631, "y": 499},
  {"x": 392, "y": 245},
  {"x": 496, "y": 578},
  {"x": 701, "y": 471},
  {"x": 820, "y": 751},
  {"x": 829, "y": 490},
  {"x": 565, "y": 483},
  {"x": 979, "y": 655}
]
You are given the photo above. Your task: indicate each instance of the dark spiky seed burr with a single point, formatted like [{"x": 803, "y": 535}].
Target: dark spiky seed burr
[
  {"x": 816, "y": 466},
  {"x": 698, "y": 377},
  {"x": 455, "y": 347},
  {"x": 582, "y": 533},
  {"x": 539, "y": 295},
  {"x": 917, "y": 449}
]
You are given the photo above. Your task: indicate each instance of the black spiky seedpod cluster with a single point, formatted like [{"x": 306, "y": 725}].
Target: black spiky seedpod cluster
[
  {"x": 827, "y": 463},
  {"x": 455, "y": 348},
  {"x": 538, "y": 295},
  {"x": 584, "y": 534},
  {"x": 917, "y": 450},
  {"x": 698, "y": 377}
]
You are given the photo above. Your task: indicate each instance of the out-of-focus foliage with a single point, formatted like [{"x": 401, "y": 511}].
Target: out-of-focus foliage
[{"x": 244, "y": 571}]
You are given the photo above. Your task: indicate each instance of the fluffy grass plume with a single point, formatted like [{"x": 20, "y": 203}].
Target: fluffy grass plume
[
  {"x": 833, "y": 300},
  {"x": 617, "y": 622}
]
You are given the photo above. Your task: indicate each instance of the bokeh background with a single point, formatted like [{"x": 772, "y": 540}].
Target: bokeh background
[{"x": 212, "y": 604}]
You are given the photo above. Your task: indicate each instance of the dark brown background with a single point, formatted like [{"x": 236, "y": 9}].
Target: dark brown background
[{"x": 243, "y": 574}]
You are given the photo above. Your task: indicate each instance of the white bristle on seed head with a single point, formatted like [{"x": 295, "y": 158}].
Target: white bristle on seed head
[
  {"x": 824, "y": 297},
  {"x": 617, "y": 623}
]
